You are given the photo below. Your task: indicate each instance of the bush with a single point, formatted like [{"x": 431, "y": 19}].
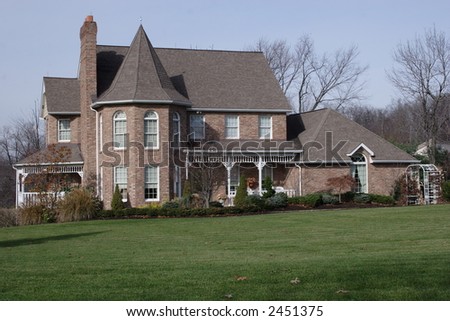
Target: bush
[
  {"x": 215, "y": 204},
  {"x": 171, "y": 204},
  {"x": 241, "y": 193},
  {"x": 31, "y": 215},
  {"x": 362, "y": 198},
  {"x": 311, "y": 200},
  {"x": 8, "y": 217},
  {"x": 116, "y": 202},
  {"x": 79, "y": 204},
  {"x": 254, "y": 201},
  {"x": 348, "y": 197},
  {"x": 446, "y": 191},
  {"x": 268, "y": 187},
  {"x": 381, "y": 199},
  {"x": 330, "y": 199},
  {"x": 279, "y": 200}
]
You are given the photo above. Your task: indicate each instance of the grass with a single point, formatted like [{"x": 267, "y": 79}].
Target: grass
[{"x": 360, "y": 254}]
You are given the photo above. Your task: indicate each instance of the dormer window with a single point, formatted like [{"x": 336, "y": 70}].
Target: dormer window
[{"x": 64, "y": 130}]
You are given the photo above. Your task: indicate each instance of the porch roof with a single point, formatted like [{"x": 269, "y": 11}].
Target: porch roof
[{"x": 71, "y": 155}]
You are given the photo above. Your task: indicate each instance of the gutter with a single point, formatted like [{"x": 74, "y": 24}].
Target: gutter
[{"x": 139, "y": 101}]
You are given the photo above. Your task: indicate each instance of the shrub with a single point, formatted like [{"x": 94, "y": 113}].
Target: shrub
[
  {"x": 268, "y": 187},
  {"x": 254, "y": 201},
  {"x": 215, "y": 204},
  {"x": 241, "y": 193},
  {"x": 279, "y": 200},
  {"x": 79, "y": 204},
  {"x": 116, "y": 202},
  {"x": 348, "y": 197},
  {"x": 362, "y": 198},
  {"x": 311, "y": 200},
  {"x": 446, "y": 191},
  {"x": 31, "y": 215},
  {"x": 381, "y": 199},
  {"x": 8, "y": 217},
  {"x": 330, "y": 199},
  {"x": 171, "y": 204}
]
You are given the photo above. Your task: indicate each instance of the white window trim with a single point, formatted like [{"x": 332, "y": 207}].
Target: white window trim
[
  {"x": 66, "y": 130},
  {"x": 365, "y": 163},
  {"x": 157, "y": 130},
  {"x": 114, "y": 130},
  {"x": 259, "y": 127},
  {"x": 238, "y": 127},
  {"x": 157, "y": 182},
  {"x": 115, "y": 181}
]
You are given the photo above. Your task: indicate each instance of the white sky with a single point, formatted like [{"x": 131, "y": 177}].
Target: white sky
[{"x": 41, "y": 38}]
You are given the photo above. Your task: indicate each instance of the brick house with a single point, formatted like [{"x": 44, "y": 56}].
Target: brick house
[{"x": 145, "y": 119}]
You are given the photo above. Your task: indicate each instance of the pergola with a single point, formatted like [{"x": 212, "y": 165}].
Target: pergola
[{"x": 423, "y": 182}]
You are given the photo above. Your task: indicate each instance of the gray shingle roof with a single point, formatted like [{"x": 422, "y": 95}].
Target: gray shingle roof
[
  {"x": 72, "y": 155},
  {"x": 345, "y": 136},
  {"x": 62, "y": 95},
  {"x": 141, "y": 76}
]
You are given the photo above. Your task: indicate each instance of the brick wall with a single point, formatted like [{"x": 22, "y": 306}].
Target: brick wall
[
  {"x": 52, "y": 129},
  {"x": 248, "y": 125}
]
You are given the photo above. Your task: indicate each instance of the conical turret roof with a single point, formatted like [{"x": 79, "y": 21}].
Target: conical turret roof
[{"x": 142, "y": 77}]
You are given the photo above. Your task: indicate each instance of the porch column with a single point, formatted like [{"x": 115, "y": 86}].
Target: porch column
[
  {"x": 260, "y": 165},
  {"x": 228, "y": 165}
]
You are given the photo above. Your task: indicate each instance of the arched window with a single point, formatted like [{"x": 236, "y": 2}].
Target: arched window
[
  {"x": 119, "y": 129},
  {"x": 359, "y": 173},
  {"x": 176, "y": 129},
  {"x": 151, "y": 130}
]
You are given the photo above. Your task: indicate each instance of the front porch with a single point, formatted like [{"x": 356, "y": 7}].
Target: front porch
[
  {"x": 255, "y": 166},
  {"x": 45, "y": 183}
]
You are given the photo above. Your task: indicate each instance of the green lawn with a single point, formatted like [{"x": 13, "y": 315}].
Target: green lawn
[{"x": 360, "y": 254}]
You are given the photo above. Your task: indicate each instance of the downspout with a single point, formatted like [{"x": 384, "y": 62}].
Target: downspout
[
  {"x": 97, "y": 142},
  {"x": 299, "y": 179}
]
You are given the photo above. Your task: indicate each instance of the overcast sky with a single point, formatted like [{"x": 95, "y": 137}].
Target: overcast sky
[{"x": 41, "y": 38}]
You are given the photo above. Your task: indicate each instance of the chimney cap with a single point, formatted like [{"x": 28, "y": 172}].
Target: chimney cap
[{"x": 89, "y": 18}]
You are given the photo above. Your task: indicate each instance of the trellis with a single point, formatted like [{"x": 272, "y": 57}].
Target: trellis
[{"x": 423, "y": 184}]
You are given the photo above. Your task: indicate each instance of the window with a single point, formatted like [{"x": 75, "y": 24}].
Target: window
[
  {"x": 120, "y": 129},
  {"x": 267, "y": 171},
  {"x": 176, "y": 129},
  {"x": 64, "y": 130},
  {"x": 197, "y": 126},
  {"x": 359, "y": 173},
  {"x": 231, "y": 126},
  {"x": 151, "y": 130},
  {"x": 151, "y": 183},
  {"x": 121, "y": 179},
  {"x": 234, "y": 180},
  {"x": 265, "y": 127}
]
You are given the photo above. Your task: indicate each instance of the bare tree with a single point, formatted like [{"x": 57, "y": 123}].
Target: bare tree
[
  {"x": 22, "y": 138},
  {"x": 332, "y": 80},
  {"x": 422, "y": 75}
]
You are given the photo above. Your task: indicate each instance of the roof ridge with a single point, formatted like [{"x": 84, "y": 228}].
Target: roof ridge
[
  {"x": 373, "y": 133},
  {"x": 322, "y": 122}
]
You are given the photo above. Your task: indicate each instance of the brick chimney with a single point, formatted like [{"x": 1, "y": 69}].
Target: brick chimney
[{"x": 88, "y": 91}]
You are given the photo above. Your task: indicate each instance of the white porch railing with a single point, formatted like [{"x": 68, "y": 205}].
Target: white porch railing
[{"x": 29, "y": 199}]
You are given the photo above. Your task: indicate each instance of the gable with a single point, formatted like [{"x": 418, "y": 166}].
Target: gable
[
  {"x": 330, "y": 137},
  {"x": 60, "y": 96}
]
